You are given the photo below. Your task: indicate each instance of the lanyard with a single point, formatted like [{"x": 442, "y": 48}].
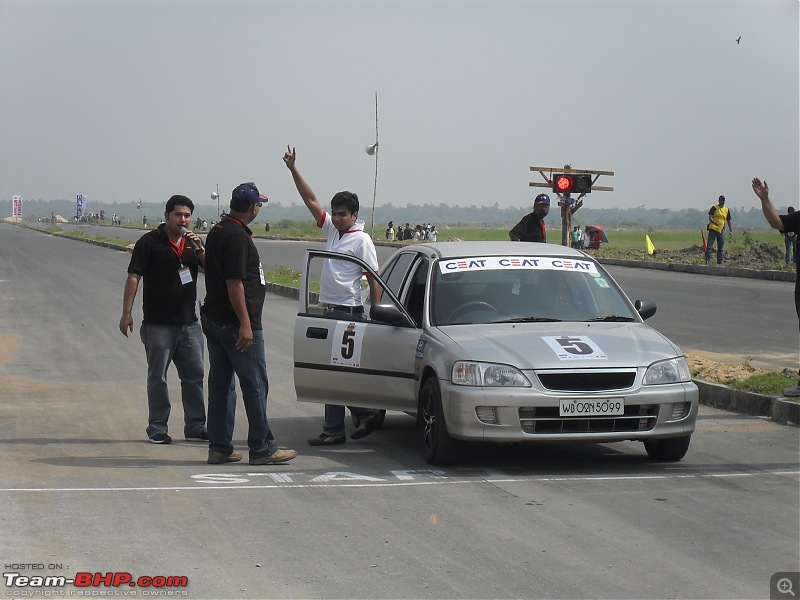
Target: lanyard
[
  {"x": 178, "y": 248},
  {"x": 239, "y": 223}
]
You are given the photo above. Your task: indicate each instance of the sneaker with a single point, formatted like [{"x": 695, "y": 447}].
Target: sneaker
[
  {"x": 160, "y": 438},
  {"x": 367, "y": 427},
  {"x": 200, "y": 437},
  {"x": 792, "y": 392},
  {"x": 327, "y": 440},
  {"x": 279, "y": 456},
  {"x": 218, "y": 458}
]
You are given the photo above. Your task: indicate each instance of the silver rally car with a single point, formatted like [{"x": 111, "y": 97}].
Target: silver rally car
[{"x": 498, "y": 342}]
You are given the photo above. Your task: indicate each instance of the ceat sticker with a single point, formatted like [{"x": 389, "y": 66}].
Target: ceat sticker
[
  {"x": 348, "y": 339},
  {"x": 421, "y": 348},
  {"x": 495, "y": 263},
  {"x": 571, "y": 347}
]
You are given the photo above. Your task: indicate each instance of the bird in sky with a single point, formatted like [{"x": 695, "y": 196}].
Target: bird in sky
[{"x": 739, "y": 39}]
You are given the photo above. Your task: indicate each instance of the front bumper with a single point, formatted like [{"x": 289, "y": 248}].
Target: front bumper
[{"x": 530, "y": 414}]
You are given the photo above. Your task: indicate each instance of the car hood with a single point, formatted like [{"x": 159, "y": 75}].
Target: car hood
[{"x": 561, "y": 345}]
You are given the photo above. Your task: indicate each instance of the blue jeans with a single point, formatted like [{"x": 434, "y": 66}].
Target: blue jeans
[
  {"x": 181, "y": 345},
  {"x": 719, "y": 236},
  {"x": 334, "y": 418},
  {"x": 250, "y": 367},
  {"x": 791, "y": 248}
]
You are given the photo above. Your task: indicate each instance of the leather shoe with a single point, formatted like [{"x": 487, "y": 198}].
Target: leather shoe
[
  {"x": 367, "y": 427},
  {"x": 327, "y": 440},
  {"x": 220, "y": 458}
]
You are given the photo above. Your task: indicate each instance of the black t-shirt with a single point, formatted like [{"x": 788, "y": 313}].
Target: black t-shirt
[
  {"x": 530, "y": 229},
  {"x": 791, "y": 222},
  {"x": 165, "y": 300},
  {"x": 231, "y": 254}
]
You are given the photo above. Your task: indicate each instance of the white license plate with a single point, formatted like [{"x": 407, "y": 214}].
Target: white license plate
[{"x": 585, "y": 407}]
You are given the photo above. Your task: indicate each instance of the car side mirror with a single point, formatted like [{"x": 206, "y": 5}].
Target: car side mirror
[
  {"x": 646, "y": 307},
  {"x": 387, "y": 312}
]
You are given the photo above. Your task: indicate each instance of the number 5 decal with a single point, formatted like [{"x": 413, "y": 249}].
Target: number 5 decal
[
  {"x": 571, "y": 347},
  {"x": 347, "y": 341},
  {"x": 348, "y": 344}
]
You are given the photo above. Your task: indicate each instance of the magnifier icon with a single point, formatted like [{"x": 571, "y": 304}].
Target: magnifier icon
[{"x": 784, "y": 586}]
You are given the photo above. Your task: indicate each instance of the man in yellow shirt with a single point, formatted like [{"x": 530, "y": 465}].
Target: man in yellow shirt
[{"x": 718, "y": 216}]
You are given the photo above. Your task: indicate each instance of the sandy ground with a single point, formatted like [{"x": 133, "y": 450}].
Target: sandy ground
[{"x": 706, "y": 368}]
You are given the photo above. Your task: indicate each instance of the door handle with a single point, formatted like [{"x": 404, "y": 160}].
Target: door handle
[{"x": 317, "y": 333}]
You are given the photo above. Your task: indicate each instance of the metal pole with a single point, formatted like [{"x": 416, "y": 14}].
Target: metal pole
[{"x": 375, "y": 186}]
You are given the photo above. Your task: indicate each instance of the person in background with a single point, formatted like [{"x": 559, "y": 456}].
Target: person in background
[
  {"x": 718, "y": 216},
  {"x": 575, "y": 237},
  {"x": 783, "y": 223},
  {"x": 531, "y": 227},
  {"x": 790, "y": 240},
  {"x": 168, "y": 265}
]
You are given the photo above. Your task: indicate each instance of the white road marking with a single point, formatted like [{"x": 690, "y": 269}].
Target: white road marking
[{"x": 329, "y": 480}]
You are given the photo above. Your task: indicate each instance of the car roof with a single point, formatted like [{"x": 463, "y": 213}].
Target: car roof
[{"x": 485, "y": 248}]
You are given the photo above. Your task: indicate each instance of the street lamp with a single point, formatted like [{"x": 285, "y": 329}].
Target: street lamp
[{"x": 215, "y": 196}]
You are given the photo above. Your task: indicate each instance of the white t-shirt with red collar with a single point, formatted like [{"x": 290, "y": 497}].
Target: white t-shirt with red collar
[{"x": 340, "y": 282}]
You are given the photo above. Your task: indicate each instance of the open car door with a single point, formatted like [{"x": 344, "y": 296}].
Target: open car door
[{"x": 348, "y": 361}]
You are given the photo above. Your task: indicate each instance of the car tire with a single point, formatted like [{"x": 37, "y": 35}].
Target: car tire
[
  {"x": 669, "y": 449},
  {"x": 438, "y": 447}
]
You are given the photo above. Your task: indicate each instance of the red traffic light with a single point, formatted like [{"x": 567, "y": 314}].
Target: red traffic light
[{"x": 565, "y": 184}]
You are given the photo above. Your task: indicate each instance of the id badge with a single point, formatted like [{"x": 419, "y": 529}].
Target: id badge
[
  {"x": 186, "y": 275},
  {"x": 261, "y": 273}
]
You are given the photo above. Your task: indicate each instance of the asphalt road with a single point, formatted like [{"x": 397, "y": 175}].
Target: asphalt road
[
  {"x": 730, "y": 319},
  {"x": 83, "y": 492}
]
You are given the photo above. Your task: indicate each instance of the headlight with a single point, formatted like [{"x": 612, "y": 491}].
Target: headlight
[
  {"x": 487, "y": 374},
  {"x": 674, "y": 370}
]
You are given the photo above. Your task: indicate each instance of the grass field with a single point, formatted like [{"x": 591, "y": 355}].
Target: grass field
[{"x": 623, "y": 239}]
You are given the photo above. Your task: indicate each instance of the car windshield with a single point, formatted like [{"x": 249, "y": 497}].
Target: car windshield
[{"x": 513, "y": 289}]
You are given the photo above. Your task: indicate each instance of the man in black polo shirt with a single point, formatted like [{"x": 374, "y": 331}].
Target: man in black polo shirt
[
  {"x": 167, "y": 262},
  {"x": 531, "y": 227},
  {"x": 231, "y": 318}
]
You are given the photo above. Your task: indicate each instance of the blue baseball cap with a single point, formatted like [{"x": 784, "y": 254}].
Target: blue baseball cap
[
  {"x": 544, "y": 198},
  {"x": 247, "y": 193}
]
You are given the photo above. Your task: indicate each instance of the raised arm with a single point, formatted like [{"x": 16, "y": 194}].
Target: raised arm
[
  {"x": 772, "y": 216},
  {"x": 305, "y": 191}
]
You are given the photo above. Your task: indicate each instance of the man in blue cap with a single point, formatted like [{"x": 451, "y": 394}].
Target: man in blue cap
[
  {"x": 231, "y": 319},
  {"x": 531, "y": 227}
]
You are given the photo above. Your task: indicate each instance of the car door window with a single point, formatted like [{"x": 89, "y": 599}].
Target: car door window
[
  {"x": 395, "y": 273},
  {"x": 414, "y": 300}
]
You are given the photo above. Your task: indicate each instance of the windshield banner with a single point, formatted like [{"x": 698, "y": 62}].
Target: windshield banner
[{"x": 494, "y": 263}]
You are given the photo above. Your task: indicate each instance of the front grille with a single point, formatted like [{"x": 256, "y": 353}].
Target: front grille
[
  {"x": 546, "y": 420},
  {"x": 587, "y": 381}
]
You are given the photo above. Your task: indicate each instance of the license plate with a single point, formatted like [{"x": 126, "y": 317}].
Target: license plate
[{"x": 583, "y": 407}]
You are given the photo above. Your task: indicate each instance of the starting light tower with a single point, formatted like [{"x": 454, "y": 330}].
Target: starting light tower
[
  {"x": 572, "y": 184},
  {"x": 567, "y": 180}
]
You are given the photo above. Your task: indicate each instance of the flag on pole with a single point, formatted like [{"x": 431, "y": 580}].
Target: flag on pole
[
  {"x": 703, "y": 235},
  {"x": 648, "y": 245},
  {"x": 81, "y": 205}
]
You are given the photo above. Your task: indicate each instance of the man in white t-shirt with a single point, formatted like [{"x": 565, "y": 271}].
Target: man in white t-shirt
[{"x": 340, "y": 288}]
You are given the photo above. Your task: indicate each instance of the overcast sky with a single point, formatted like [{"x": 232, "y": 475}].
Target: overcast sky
[{"x": 128, "y": 99}]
